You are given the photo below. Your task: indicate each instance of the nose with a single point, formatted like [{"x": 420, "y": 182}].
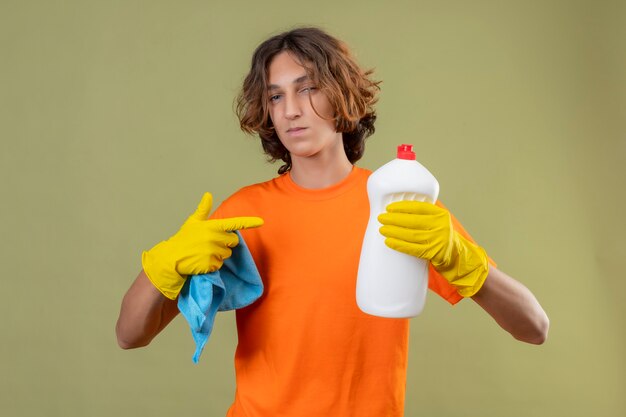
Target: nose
[{"x": 293, "y": 110}]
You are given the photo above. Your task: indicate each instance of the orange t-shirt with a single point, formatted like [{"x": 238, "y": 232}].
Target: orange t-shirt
[{"x": 305, "y": 348}]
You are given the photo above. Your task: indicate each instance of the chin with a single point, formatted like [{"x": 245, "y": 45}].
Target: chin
[{"x": 302, "y": 150}]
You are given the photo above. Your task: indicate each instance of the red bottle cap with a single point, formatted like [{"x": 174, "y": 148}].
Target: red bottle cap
[{"x": 406, "y": 152}]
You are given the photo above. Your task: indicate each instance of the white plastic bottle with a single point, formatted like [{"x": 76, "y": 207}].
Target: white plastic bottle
[{"x": 392, "y": 283}]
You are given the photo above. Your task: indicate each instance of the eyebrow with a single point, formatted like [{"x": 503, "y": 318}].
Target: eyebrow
[{"x": 298, "y": 80}]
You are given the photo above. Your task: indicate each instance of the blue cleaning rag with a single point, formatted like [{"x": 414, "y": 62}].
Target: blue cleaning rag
[{"x": 235, "y": 285}]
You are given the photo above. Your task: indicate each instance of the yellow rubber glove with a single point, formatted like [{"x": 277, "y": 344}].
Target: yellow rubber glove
[
  {"x": 199, "y": 247},
  {"x": 425, "y": 231}
]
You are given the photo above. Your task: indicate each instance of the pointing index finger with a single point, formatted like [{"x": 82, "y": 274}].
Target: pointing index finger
[{"x": 239, "y": 223}]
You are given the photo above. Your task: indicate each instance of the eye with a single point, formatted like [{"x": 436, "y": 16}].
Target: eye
[
  {"x": 274, "y": 98},
  {"x": 308, "y": 89}
]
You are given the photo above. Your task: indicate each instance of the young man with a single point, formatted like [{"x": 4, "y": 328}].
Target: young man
[{"x": 305, "y": 349}]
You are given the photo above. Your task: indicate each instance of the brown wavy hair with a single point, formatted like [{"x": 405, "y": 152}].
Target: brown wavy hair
[{"x": 333, "y": 69}]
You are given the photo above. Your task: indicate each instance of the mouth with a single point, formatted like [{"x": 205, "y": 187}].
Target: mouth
[{"x": 295, "y": 129}]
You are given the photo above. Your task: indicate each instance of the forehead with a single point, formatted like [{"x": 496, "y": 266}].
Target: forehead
[{"x": 284, "y": 69}]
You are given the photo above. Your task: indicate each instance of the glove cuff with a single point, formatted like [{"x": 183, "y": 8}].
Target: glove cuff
[
  {"x": 468, "y": 267},
  {"x": 161, "y": 274}
]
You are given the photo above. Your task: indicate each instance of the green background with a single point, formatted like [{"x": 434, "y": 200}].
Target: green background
[{"x": 115, "y": 117}]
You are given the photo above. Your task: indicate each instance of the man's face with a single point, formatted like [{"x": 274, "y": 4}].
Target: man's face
[{"x": 292, "y": 96}]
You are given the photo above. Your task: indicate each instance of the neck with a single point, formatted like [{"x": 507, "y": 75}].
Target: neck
[{"x": 321, "y": 170}]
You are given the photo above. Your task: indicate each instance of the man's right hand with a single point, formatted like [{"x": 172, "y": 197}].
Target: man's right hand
[{"x": 199, "y": 247}]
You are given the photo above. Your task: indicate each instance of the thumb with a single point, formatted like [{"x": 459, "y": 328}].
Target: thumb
[{"x": 204, "y": 208}]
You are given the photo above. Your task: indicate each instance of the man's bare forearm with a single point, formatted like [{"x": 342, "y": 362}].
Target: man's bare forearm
[
  {"x": 513, "y": 307},
  {"x": 144, "y": 313}
]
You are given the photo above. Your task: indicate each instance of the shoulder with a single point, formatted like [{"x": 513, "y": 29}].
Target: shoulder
[
  {"x": 253, "y": 192},
  {"x": 363, "y": 171},
  {"x": 361, "y": 174},
  {"x": 246, "y": 200}
]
